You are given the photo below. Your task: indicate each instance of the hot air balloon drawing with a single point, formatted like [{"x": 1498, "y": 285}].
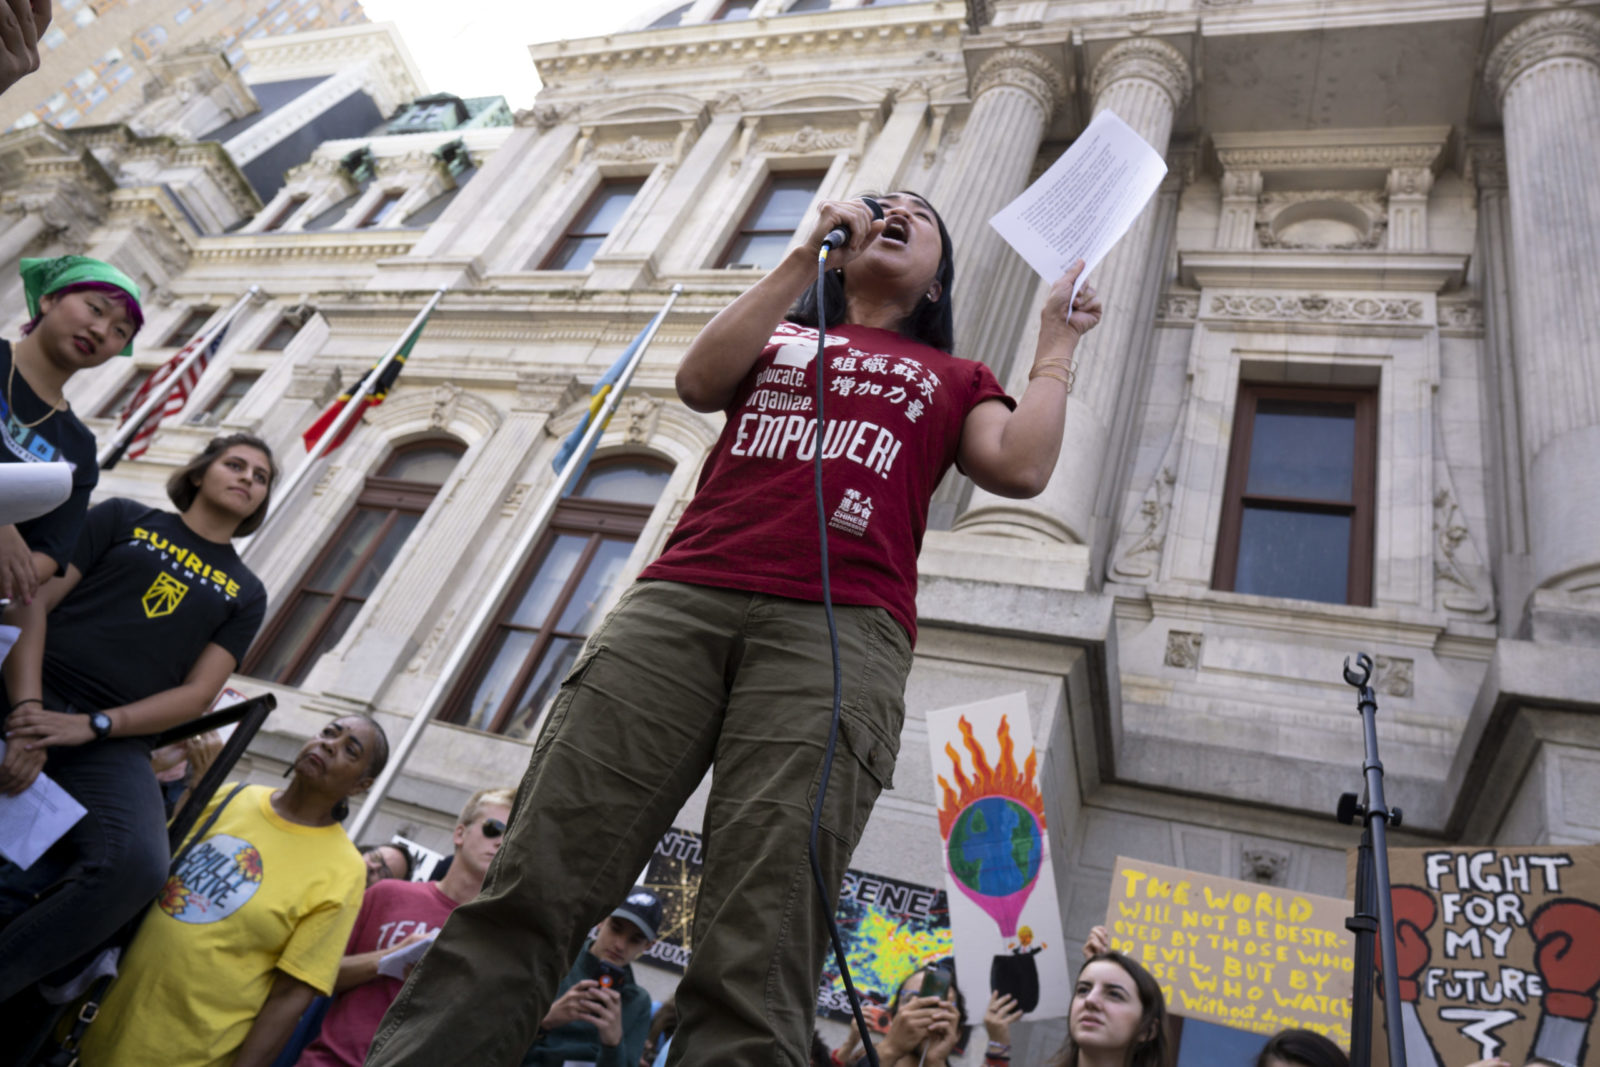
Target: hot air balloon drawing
[{"x": 996, "y": 852}]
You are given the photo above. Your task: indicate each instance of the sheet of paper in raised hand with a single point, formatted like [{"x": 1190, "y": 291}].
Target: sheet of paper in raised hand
[
  {"x": 394, "y": 965},
  {"x": 35, "y": 819},
  {"x": 28, "y": 490},
  {"x": 1085, "y": 202}
]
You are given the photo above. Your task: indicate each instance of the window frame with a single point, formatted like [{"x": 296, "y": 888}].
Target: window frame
[
  {"x": 182, "y": 333},
  {"x": 286, "y": 212},
  {"x": 594, "y": 200},
  {"x": 758, "y": 203},
  {"x": 599, "y": 521},
  {"x": 282, "y": 322},
  {"x": 376, "y": 216},
  {"x": 207, "y": 416},
  {"x": 112, "y": 407},
  {"x": 395, "y": 496},
  {"x": 1362, "y": 507}
]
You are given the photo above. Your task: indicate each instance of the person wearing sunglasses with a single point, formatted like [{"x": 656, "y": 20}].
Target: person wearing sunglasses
[{"x": 395, "y": 915}]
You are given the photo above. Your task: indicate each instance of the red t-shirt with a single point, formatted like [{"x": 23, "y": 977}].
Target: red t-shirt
[
  {"x": 391, "y": 911},
  {"x": 895, "y": 409}
]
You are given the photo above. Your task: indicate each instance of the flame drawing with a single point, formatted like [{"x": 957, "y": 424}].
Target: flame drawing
[{"x": 993, "y": 827}]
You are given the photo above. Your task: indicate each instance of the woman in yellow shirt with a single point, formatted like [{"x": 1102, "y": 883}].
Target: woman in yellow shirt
[{"x": 251, "y": 925}]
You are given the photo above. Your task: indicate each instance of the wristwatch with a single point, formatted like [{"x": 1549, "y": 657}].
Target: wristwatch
[{"x": 100, "y": 723}]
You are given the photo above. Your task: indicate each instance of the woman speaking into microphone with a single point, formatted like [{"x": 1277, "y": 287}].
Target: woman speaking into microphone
[{"x": 719, "y": 656}]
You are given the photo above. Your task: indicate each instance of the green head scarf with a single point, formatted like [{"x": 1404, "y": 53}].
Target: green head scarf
[{"x": 41, "y": 277}]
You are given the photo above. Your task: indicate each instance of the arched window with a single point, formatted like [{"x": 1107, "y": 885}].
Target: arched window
[
  {"x": 542, "y": 625},
  {"x": 329, "y": 596}
]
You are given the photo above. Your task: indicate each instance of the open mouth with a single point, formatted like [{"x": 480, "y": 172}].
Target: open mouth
[{"x": 895, "y": 230}]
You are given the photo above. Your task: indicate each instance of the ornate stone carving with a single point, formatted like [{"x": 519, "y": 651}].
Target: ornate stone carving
[
  {"x": 1241, "y": 183},
  {"x": 546, "y": 116},
  {"x": 1313, "y": 307},
  {"x": 1264, "y": 865},
  {"x": 1486, "y": 165},
  {"x": 725, "y": 101},
  {"x": 1328, "y": 157},
  {"x": 642, "y": 412},
  {"x": 545, "y": 392},
  {"x": 434, "y": 637},
  {"x": 515, "y": 499},
  {"x": 1018, "y": 68},
  {"x": 1410, "y": 181},
  {"x": 1363, "y": 214},
  {"x": 326, "y": 480},
  {"x": 1461, "y": 316},
  {"x": 1569, "y": 34},
  {"x": 1183, "y": 649},
  {"x": 1139, "y": 548},
  {"x": 633, "y": 150},
  {"x": 1177, "y": 307},
  {"x": 1394, "y": 674},
  {"x": 805, "y": 140},
  {"x": 446, "y": 398},
  {"x": 1460, "y": 579},
  {"x": 1147, "y": 59}
]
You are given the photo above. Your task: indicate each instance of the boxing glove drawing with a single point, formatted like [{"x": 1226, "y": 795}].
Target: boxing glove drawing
[{"x": 1567, "y": 935}]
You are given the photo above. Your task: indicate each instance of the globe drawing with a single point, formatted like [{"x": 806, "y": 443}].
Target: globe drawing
[{"x": 995, "y": 848}]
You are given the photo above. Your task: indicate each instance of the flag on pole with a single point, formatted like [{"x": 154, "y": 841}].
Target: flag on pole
[
  {"x": 140, "y": 443},
  {"x": 379, "y": 391},
  {"x": 597, "y": 399}
]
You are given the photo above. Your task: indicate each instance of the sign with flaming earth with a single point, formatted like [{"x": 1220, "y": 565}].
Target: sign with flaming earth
[{"x": 996, "y": 853}]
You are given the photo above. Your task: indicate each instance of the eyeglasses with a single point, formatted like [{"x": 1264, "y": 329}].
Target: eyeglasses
[{"x": 493, "y": 828}]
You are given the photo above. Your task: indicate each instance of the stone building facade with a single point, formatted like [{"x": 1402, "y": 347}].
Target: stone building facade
[{"x": 1375, "y": 216}]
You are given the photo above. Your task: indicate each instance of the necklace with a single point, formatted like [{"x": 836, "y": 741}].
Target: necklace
[{"x": 11, "y": 378}]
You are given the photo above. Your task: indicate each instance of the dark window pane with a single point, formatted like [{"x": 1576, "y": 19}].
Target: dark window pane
[
  {"x": 291, "y": 638},
  {"x": 624, "y": 483},
  {"x": 558, "y": 659},
  {"x": 758, "y": 250},
  {"x": 1303, "y": 450},
  {"x": 429, "y": 466},
  {"x": 540, "y": 597},
  {"x": 114, "y": 406},
  {"x": 223, "y": 403},
  {"x": 343, "y": 616},
  {"x": 734, "y": 10},
  {"x": 613, "y": 201},
  {"x": 328, "y": 217},
  {"x": 787, "y": 201},
  {"x": 279, "y": 337},
  {"x": 353, "y": 543},
  {"x": 1294, "y": 554},
  {"x": 1207, "y": 1044},
  {"x": 490, "y": 692},
  {"x": 384, "y": 555},
  {"x": 671, "y": 18},
  {"x": 192, "y": 324},
  {"x": 807, "y": 5},
  {"x": 576, "y": 253},
  {"x": 594, "y": 587},
  {"x": 381, "y": 211}
]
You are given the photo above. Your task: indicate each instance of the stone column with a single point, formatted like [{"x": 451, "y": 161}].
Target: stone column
[
  {"x": 1546, "y": 74},
  {"x": 1013, "y": 95},
  {"x": 884, "y": 162},
  {"x": 1144, "y": 82},
  {"x": 1408, "y": 189},
  {"x": 14, "y": 241}
]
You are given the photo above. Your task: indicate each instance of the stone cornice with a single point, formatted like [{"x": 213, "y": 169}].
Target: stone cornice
[
  {"x": 1371, "y": 149},
  {"x": 322, "y": 244},
  {"x": 1373, "y": 271},
  {"x": 1567, "y": 34},
  {"x": 1019, "y": 68},
  {"x": 834, "y": 35},
  {"x": 1146, "y": 59}
]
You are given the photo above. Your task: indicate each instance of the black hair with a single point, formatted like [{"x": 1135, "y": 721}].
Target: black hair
[
  {"x": 948, "y": 963},
  {"x": 184, "y": 485},
  {"x": 1302, "y": 1048},
  {"x": 376, "y": 762},
  {"x": 409, "y": 857},
  {"x": 931, "y": 322}
]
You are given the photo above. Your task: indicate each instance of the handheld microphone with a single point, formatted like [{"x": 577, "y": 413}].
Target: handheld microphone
[{"x": 841, "y": 233}]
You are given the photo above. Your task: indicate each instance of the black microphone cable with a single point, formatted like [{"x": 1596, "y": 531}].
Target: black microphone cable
[{"x": 833, "y": 644}]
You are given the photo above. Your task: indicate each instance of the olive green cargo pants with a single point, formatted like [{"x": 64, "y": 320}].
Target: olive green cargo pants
[{"x": 677, "y": 679}]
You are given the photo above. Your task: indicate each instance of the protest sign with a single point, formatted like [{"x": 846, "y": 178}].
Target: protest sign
[
  {"x": 1003, "y": 908},
  {"x": 1239, "y": 954},
  {"x": 888, "y": 927},
  {"x": 1498, "y": 954}
]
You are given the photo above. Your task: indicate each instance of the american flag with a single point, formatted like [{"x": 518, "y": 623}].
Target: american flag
[{"x": 175, "y": 399}]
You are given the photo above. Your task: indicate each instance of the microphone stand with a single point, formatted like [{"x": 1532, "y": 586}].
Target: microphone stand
[{"x": 1372, "y": 885}]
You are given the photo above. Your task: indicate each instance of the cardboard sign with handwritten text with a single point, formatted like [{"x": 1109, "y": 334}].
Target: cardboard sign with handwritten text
[
  {"x": 1238, "y": 954},
  {"x": 1498, "y": 954}
]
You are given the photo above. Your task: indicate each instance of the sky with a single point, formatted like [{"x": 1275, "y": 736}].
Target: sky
[{"x": 480, "y": 47}]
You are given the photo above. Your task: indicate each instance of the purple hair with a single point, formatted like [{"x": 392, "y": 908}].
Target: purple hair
[{"x": 129, "y": 305}]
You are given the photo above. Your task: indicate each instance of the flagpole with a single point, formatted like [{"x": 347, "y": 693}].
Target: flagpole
[
  {"x": 466, "y": 636},
  {"x": 281, "y": 494},
  {"x": 130, "y": 426}
]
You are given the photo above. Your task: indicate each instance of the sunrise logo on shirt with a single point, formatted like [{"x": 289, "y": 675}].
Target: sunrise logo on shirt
[{"x": 163, "y": 596}]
